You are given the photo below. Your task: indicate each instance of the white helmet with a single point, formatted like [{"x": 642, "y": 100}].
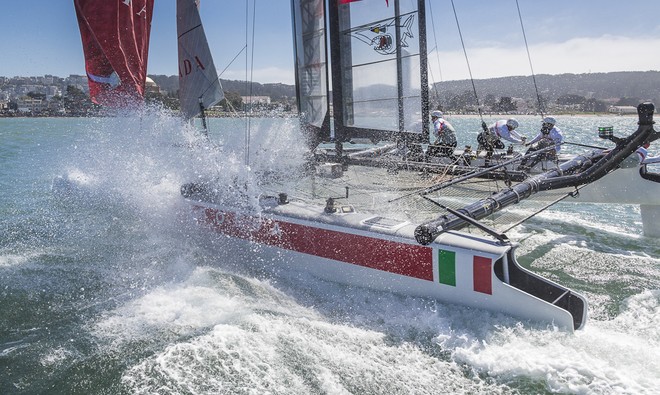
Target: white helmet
[
  {"x": 512, "y": 123},
  {"x": 549, "y": 120},
  {"x": 436, "y": 114}
]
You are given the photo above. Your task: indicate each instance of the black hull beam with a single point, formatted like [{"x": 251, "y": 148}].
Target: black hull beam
[{"x": 583, "y": 169}]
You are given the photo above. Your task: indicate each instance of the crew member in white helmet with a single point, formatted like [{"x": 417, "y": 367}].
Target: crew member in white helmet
[
  {"x": 491, "y": 137},
  {"x": 548, "y": 136},
  {"x": 549, "y": 131},
  {"x": 644, "y": 158},
  {"x": 445, "y": 136},
  {"x": 506, "y": 129}
]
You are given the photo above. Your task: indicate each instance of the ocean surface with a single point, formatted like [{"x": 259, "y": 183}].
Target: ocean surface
[{"x": 107, "y": 288}]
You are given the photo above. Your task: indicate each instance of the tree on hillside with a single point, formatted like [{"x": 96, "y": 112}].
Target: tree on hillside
[
  {"x": 36, "y": 95},
  {"x": 628, "y": 101},
  {"x": 490, "y": 101},
  {"x": 506, "y": 104},
  {"x": 76, "y": 102},
  {"x": 541, "y": 104},
  {"x": 171, "y": 100},
  {"x": 462, "y": 101},
  {"x": 570, "y": 100},
  {"x": 593, "y": 105},
  {"x": 232, "y": 101}
]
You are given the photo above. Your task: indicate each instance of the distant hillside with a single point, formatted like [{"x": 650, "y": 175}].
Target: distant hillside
[
  {"x": 276, "y": 91},
  {"x": 635, "y": 85},
  {"x": 602, "y": 86}
]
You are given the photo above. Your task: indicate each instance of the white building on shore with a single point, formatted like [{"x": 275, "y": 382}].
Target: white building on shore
[{"x": 621, "y": 110}]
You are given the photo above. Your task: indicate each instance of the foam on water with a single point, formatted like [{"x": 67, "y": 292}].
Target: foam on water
[
  {"x": 225, "y": 333},
  {"x": 607, "y": 357},
  {"x": 9, "y": 259},
  {"x": 230, "y": 334}
]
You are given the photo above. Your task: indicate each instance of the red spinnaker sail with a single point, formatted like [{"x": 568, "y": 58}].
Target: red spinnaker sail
[{"x": 115, "y": 38}]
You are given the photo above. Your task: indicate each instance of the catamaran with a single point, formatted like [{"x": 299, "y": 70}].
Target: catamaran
[
  {"x": 377, "y": 73},
  {"x": 379, "y": 86}
]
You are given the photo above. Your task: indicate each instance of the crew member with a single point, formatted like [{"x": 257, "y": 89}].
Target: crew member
[
  {"x": 445, "y": 137},
  {"x": 548, "y": 136},
  {"x": 644, "y": 158},
  {"x": 491, "y": 137}
]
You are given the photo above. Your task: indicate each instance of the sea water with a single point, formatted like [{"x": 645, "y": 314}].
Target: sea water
[{"x": 105, "y": 288}]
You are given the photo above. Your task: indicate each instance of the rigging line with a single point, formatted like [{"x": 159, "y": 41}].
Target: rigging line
[
  {"x": 473, "y": 174},
  {"x": 232, "y": 61},
  {"x": 247, "y": 132},
  {"x": 435, "y": 89},
  {"x": 437, "y": 55},
  {"x": 529, "y": 58},
  {"x": 460, "y": 34},
  {"x": 574, "y": 194},
  {"x": 584, "y": 145}
]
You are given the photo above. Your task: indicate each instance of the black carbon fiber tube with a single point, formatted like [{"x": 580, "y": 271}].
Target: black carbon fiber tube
[{"x": 580, "y": 170}]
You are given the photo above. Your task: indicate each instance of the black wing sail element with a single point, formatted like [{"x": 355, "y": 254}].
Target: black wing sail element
[
  {"x": 379, "y": 77},
  {"x": 311, "y": 68}
]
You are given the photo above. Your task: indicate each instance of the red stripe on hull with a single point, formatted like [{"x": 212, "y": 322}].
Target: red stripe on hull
[{"x": 401, "y": 258}]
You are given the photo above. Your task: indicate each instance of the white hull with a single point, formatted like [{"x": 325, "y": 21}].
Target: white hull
[
  {"x": 382, "y": 254},
  {"x": 622, "y": 186}
]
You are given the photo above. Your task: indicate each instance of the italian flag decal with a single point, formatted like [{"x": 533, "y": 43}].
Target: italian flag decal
[
  {"x": 481, "y": 271},
  {"x": 447, "y": 267}
]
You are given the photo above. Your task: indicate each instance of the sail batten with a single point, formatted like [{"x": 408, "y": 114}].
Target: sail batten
[
  {"x": 190, "y": 30},
  {"x": 199, "y": 85}
]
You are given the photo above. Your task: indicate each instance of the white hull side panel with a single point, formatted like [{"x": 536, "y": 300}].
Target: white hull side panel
[
  {"x": 505, "y": 299},
  {"x": 495, "y": 295},
  {"x": 623, "y": 185}
]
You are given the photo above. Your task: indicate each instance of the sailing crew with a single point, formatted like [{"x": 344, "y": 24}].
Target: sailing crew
[
  {"x": 492, "y": 136},
  {"x": 548, "y": 136},
  {"x": 445, "y": 137},
  {"x": 645, "y": 159},
  {"x": 507, "y": 130},
  {"x": 643, "y": 154}
]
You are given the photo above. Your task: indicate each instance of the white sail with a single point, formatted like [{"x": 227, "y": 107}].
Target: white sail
[{"x": 199, "y": 86}]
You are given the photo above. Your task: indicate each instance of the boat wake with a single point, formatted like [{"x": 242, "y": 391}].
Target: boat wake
[{"x": 221, "y": 332}]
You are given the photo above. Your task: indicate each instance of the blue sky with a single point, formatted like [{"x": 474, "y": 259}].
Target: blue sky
[{"x": 565, "y": 36}]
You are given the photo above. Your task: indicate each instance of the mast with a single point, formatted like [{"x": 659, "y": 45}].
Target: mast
[
  {"x": 399, "y": 64},
  {"x": 337, "y": 91},
  {"x": 202, "y": 116},
  {"x": 424, "y": 70}
]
